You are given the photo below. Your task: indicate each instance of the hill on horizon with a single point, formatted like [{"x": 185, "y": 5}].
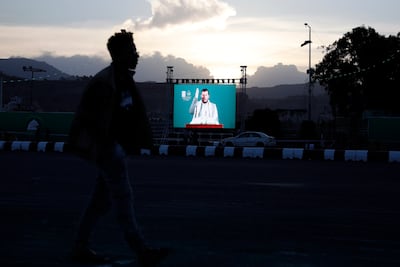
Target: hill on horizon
[
  {"x": 14, "y": 67},
  {"x": 56, "y": 91},
  {"x": 283, "y": 91},
  {"x": 150, "y": 69}
]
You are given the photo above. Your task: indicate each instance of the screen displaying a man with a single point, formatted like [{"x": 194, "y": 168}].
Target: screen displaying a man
[{"x": 204, "y": 111}]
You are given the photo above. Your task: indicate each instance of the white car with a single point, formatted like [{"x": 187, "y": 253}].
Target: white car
[{"x": 249, "y": 138}]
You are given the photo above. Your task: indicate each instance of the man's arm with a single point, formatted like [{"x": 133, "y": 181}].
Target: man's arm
[{"x": 194, "y": 101}]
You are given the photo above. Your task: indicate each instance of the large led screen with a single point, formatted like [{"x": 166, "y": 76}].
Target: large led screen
[{"x": 204, "y": 106}]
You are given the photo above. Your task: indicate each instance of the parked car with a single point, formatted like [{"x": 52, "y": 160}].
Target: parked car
[{"x": 249, "y": 138}]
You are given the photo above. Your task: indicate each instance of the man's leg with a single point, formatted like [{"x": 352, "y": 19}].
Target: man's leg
[
  {"x": 99, "y": 205},
  {"x": 117, "y": 179}
]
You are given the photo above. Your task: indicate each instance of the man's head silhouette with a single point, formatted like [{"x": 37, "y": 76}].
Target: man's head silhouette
[{"x": 123, "y": 50}]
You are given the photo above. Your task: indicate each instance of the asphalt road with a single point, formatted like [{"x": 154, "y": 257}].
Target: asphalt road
[{"x": 210, "y": 211}]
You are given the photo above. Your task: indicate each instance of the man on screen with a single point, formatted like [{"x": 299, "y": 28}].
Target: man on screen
[{"x": 204, "y": 111}]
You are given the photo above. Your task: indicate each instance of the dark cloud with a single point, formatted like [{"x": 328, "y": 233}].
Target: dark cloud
[
  {"x": 150, "y": 68},
  {"x": 154, "y": 68},
  {"x": 278, "y": 74},
  {"x": 78, "y": 65}
]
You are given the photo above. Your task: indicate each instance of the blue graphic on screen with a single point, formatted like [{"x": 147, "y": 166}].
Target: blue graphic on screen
[{"x": 220, "y": 110}]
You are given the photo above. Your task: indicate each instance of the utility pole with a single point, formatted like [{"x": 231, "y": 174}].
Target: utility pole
[
  {"x": 309, "y": 71},
  {"x": 32, "y": 70},
  {"x": 1, "y": 91},
  {"x": 243, "y": 82},
  {"x": 170, "y": 88},
  {"x": 170, "y": 77}
]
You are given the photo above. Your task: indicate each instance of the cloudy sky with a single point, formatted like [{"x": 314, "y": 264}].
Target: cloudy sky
[{"x": 218, "y": 35}]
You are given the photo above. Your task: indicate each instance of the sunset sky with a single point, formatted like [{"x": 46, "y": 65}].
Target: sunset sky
[{"x": 219, "y": 35}]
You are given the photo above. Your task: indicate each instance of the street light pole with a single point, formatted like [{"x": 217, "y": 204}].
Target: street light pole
[
  {"x": 1, "y": 91},
  {"x": 170, "y": 88},
  {"x": 243, "y": 82},
  {"x": 32, "y": 70},
  {"x": 170, "y": 77},
  {"x": 309, "y": 71}
]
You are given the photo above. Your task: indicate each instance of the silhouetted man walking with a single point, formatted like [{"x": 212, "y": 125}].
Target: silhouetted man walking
[{"x": 109, "y": 124}]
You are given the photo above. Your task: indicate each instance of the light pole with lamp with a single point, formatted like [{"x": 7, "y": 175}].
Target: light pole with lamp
[
  {"x": 309, "y": 71},
  {"x": 1, "y": 91},
  {"x": 170, "y": 88},
  {"x": 32, "y": 70},
  {"x": 243, "y": 82},
  {"x": 170, "y": 77}
]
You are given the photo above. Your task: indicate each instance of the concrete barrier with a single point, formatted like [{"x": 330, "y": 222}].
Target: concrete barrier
[
  {"x": 2, "y": 145},
  {"x": 229, "y": 152},
  {"x": 41, "y": 146},
  {"x": 356, "y": 155},
  {"x": 59, "y": 146},
  {"x": 210, "y": 151},
  {"x": 20, "y": 145},
  {"x": 329, "y": 154},
  {"x": 234, "y": 152},
  {"x": 163, "y": 150},
  {"x": 191, "y": 150},
  {"x": 253, "y": 152},
  {"x": 292, "y": 153},
  {"x": 394, "y": 156}
]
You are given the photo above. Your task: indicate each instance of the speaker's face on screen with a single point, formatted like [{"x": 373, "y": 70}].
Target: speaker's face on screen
[{"x": 205, "y": 96}]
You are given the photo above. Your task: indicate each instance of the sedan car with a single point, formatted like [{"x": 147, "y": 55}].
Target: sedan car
[{"x": 249, "y": 138}]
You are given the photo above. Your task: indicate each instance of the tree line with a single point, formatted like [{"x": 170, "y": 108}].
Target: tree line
[{"x": 360, "y": 72}]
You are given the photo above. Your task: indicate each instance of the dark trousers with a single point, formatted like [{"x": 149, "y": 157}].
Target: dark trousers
[{"x": 112, "y": 190}]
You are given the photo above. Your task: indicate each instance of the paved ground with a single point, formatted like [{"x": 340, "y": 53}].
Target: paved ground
[{"x": 211, "y": 211}]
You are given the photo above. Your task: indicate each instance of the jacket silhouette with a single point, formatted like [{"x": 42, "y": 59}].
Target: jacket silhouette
[{"x": 99, "y": 119}]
